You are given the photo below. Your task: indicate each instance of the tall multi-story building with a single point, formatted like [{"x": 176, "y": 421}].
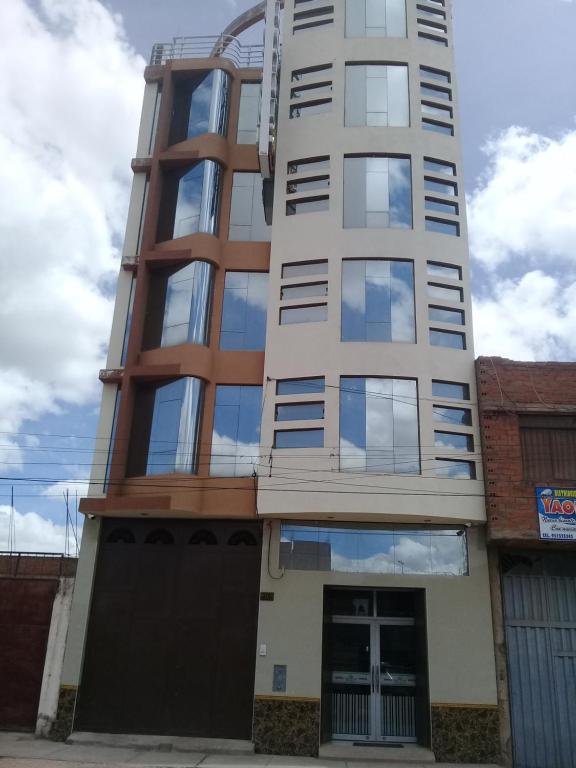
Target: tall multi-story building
[{"x": 285, "y": 544}]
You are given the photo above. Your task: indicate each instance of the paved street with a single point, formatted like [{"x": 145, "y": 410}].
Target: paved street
[{"x": 19, "y": 750}]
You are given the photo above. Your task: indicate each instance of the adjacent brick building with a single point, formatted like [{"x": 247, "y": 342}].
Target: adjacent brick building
[{"x": 528, "y": 426}]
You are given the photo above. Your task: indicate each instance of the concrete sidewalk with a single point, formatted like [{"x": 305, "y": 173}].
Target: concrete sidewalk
[{"x": 19, "y": 750}]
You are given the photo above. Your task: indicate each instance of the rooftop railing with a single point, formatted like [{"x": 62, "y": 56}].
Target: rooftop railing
[{"x": 209, "y": 46}]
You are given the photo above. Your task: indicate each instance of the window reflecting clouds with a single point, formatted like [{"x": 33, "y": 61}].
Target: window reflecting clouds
[
  {"x": 173, "y": 444},
  {"x": 186, "y": 311},
  {"x": 236, "y": 431},
  {"x": 379, "y": 425},
  {"x": 375, "y": 18},
  {"x": 201, "y": 106},
  {"x": 198, "y": 199},
  {"x": 376, "y": 95},
  {"x": 456, "y": 441},
  {"x": 377, "y": 192},
  {"x": 367, "y": 549},
  {"x": 378, "y": 301},
  {"x": 454, "y": 469},
  {"x": 452, "y": 415},
  {"x": 244, "y": 311}
]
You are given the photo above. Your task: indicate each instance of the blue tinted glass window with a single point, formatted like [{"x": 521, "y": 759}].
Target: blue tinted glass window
[
  {"x": 443, "y": 226},
  {"x": 454, "y": 469},
  {"x": 173, "y": 445},
  {"x": 444, "y": 315},
  {"x": 444, "y": 270},
  {"x": 198, "y": 200},
  {"x": 377, "y": 192},
  {"x": 244, "y": 311},
  {"x": 374, "y": 549},
  {"x": 452, "y": 415},
  {"x": 378, "y": 301},
  {"x": 187, "y": 305},
  {"x": 309, "y": 314},
  {"x": 430, "y": 125},
  {"x": 200, "y": 105},
  {"x": 236, "y": 430},
  {"x": 454, "y": 440},
  {"x": 297, "y": 411},
  {"x": 447, "y": 339},
  {"x": 299, "y": 438},
  {"x": 199, "y": 118},
  {"x": 379, "y": 425},
  {"x": 433, "y": 204},
  {"x": 300, "y": 386},
  {"x": 451, "y": 389}
]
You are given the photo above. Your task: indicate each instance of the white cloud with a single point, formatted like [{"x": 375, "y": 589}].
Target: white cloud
[
  {"x": 70, "y": 99},
  {"x": 531, "y": 318},
  {"x": 74, "y": 487},
  {"x": 524, "y": 204},
  {"x": 34, "y": 533}
]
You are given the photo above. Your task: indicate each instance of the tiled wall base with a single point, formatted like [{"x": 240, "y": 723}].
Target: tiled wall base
[
  {"x": 287, "y": 726},
  {"x": 465, "y": 734},
  {"x": 62, "y": 725}
]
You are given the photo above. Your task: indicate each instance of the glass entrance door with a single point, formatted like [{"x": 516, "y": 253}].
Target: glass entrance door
[
  {"x": 395, "y": 675},
  {"x": 371, "y": 664}
]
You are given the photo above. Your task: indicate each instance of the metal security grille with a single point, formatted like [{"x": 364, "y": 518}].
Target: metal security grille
[
  {"x": 351, "y": 714},
  {"x": 398, "y": 716},
  {"x": 540, "y": 616}
]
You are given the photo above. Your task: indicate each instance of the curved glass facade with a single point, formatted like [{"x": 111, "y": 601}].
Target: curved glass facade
[
  {"x": 187, "y": 305},
  {"x": 201, "y": 106},
  {"x": 198, "y": 200},
  {"x": 175, "y": 429}
]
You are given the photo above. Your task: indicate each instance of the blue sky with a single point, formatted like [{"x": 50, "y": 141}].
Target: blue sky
[{"x": 69, "y": 65}]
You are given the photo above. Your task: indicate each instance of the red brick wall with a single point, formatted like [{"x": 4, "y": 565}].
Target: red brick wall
[
  {"x": 23, "y": 564},
  {"x": 506, "y": 389}
]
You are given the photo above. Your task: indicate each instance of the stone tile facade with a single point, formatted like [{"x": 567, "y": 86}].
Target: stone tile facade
[
  {"x": 62, "y": 725},
  {"x": 465, "y": 734},
  {"x": 287, "y": 726}
]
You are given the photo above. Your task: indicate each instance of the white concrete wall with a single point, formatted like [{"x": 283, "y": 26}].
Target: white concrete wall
[
  {"x": 80, "y": 610},
  {"x": 53, "y": 663}
]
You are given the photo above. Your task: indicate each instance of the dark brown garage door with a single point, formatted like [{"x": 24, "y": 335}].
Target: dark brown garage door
[
  {"x": 25, "y": 613},
  {"x": 172, "y": 633}
]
